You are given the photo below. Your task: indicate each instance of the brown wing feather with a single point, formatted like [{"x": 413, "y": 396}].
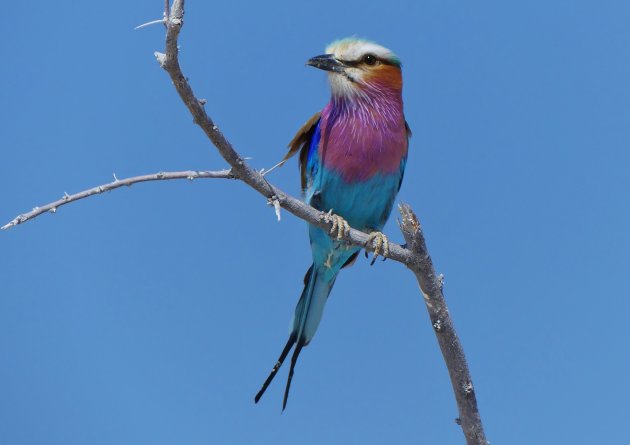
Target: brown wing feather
[
  {"x": 301, "y": 142},
  {"x": 303, "y": 136}
]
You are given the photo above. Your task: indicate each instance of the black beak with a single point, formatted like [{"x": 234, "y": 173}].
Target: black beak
[{"x": 327, "y": 62}]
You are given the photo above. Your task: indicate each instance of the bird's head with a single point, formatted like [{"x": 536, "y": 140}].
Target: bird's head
[{"x": 357, "y": 67}]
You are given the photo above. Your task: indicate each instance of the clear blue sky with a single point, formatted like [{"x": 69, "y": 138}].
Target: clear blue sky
[{"x": 153, "y": 314}]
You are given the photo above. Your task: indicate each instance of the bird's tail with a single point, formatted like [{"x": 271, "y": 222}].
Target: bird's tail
[{"x": 318, "y": 282}]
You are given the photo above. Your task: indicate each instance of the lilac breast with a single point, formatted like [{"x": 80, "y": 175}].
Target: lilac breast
[{"x": 359, "y": 140}]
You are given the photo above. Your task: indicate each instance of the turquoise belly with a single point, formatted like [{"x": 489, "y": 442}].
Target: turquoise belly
[{"x": 365, "y": 205}]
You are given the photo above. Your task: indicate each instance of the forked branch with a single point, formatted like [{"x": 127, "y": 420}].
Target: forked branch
[{"x": 414, "y": 255}]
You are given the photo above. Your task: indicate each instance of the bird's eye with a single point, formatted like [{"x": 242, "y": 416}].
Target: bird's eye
[{"x": 369, "y": 59}]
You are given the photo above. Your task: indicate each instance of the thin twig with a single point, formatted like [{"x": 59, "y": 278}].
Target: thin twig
[{"x": 117, "y": 183}]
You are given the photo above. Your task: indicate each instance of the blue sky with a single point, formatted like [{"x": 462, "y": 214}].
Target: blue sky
[{"x": 153, "y": 314}]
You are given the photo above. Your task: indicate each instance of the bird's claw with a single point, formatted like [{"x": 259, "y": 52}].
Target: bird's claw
[
  {"x": 340, "y": 226},
  {"x": 380, "y": 243}
]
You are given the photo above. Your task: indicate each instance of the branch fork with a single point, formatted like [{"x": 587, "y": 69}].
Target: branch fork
[{"x": 414, "y": 255}]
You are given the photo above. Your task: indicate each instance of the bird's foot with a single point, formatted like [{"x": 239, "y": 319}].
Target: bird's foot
[
  {"x": 380, "y": 243},
  {"x": 340, "y": 226}
]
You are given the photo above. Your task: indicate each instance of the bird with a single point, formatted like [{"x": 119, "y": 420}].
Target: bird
[{"x": 352, "y": 158}]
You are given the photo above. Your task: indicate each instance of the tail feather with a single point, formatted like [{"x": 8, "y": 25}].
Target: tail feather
[
  {"x": 308, "y": 313},
  {"x": 294, "y": 358},
  {"x": 304, "y": 305},
  {"x": 276, "y": 367}
]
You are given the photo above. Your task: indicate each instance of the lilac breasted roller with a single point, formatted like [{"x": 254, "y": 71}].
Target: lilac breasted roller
[{"x": 352, "y": 158}]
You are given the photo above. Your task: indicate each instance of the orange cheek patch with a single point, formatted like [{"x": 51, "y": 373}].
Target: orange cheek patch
[{"x": 388, "y": 75}]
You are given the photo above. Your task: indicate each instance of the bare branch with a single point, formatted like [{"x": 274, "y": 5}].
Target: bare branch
[
  {"x": 117, "y": 183},
  {"x": 452, "y": 351}
]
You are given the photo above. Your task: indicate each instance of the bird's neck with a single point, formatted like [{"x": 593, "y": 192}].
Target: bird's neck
[{"x": 374, "y": 105}]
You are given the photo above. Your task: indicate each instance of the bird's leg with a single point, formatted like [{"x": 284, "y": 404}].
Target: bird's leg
[
  {"x": 380, "y": 243},
  {"x": 340, "y": 226}
]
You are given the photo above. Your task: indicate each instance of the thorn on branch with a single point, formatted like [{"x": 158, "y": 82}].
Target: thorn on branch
[
  {"x": 115, "y": 178},
  {"x": 152, "y": 22},
  {"x": 66, "y": 196},
  {"x": 279, "y": 164},
  {"x": 53, "y": 210}
]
